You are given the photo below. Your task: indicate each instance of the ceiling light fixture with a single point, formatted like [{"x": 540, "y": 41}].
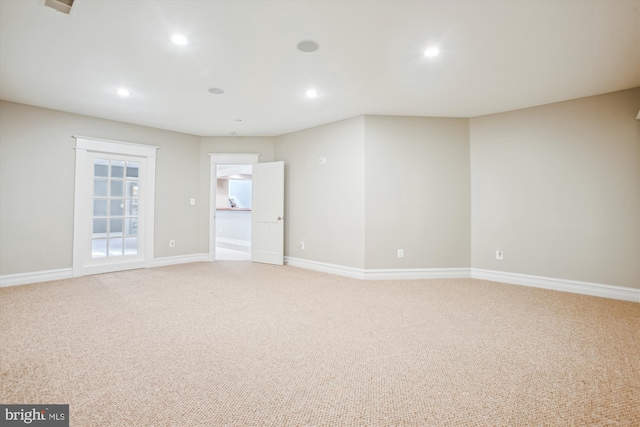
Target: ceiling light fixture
[
  {"x": 216, "y": 91},
  {"x": 123, "y": 92},
  {"x": 311, "y": 93},
  {"x": 432, "y": 52},
  {"x": 179, "y": 39},
  {"x": 308, "y": 46}
]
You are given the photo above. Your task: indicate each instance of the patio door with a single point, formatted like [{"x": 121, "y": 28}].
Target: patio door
[{"x": 113, "y": 224}]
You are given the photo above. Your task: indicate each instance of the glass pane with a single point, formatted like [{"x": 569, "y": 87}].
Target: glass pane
[
  {"x": 132, "y": 169},
  {"x": 117, "y": 188},
  {"x": 115, "y": 247},
  {"x": 117, "y": 207},
  {"x": 115, "y": 228},
  {"x": 130, "y": 245},
  {"x": 132, "y": 189},
  {"x": 117, "y": 169},
  {"x": 100, "y": 187},
  {"x": 131, "y": 225},
  {"x": 100, "y": 228},
  {"x": 101, "y": 167},
  {"x": 99, "y": 248},
  {"x": 132, "y": 207},
  {"x": 99, "y": 208}
]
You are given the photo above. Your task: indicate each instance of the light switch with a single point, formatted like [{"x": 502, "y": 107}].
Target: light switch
[
  {"x": 193, "y": 202},
  {"x": 322, "y": 161}
]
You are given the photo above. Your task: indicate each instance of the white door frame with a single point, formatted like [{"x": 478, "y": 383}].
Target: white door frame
[
  {"x": 85, "y": 146},
  {"x": 216, "y": 159}
]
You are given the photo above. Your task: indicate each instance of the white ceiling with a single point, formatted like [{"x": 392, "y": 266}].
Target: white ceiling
[{"x": 495, "y": 56}]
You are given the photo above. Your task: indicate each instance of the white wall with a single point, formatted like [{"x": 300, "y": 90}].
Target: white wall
[
  {"x": 417, "y": 192},
  {"x": 235, "y": 225},
  {"x": 324, "y": 204},
  {"x": 557, "y": 188},
  {"x": 37, "y": 163}
]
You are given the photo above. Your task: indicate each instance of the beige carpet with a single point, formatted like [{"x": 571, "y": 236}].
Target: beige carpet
[{"x": 242, "y": 344}]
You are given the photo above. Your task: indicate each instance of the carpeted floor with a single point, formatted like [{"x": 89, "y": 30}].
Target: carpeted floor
[{"x": 243, "y": 344}]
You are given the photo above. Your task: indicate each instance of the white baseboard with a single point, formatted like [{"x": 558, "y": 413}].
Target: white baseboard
[
  {"x": 234, "y": 242},
  {"x": 417, "y": 273},
  {"x": 564, "y": 285},
  {"x": 67, "y": 273},
  {"x": 35, "y": 277},
  {"x": 381, "y": 274},
  {"x": 573, "y": 286},
  {"x": 324, "y": 267},
  {"x": 180, "y": 259}
]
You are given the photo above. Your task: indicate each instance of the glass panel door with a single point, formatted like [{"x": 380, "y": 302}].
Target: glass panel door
[{"x": 116, "y": 203}]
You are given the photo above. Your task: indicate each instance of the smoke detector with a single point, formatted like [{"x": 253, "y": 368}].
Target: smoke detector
[{"x": 63, "y": 6}]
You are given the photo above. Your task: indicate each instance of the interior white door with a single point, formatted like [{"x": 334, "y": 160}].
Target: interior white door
[{"x": 267, "y": 224}]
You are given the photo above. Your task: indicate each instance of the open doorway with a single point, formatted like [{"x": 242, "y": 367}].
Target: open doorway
[{"x": 233, "y": 212}]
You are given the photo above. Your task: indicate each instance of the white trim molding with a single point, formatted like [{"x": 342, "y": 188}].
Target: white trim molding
[
  {"x": 381, "y": 274},
  {"x": 324, "y": 267},
  {"x": 67, "y": 273},
  {"x": 35, "y": 277},
  {"x": 233, "y": 158},
  {"x": 417, "y": 273},
  {"x": 564, "y": 285},
  {"x": 180, "y": 259},
  {"x": 115, "y": 147}
]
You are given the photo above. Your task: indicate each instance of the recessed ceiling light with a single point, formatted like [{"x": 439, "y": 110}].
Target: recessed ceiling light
[
  {"x": 216, "y": 91},
  {"x": 123, "y": 92},
  {"x": 307, "y": 46},
  {"x": 431, "y": 52},
  {"x": 311, "y": 93},
  {"x": 179, "y": 39}
]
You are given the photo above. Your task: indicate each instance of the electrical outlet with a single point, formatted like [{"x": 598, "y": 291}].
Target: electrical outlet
[
  {"x": 322, "y": 161},
  {"x": 400, "y": 253},
  {"x": 301, "y": 245},
  {"x": 172, "y": 243},
  {"x": 192, "y": 202},
  {"x": 499, "y": 254}
]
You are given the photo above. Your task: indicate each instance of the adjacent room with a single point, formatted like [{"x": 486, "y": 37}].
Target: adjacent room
[
  {"x": 320, "y": 213},
  {"x": 233, "y": 213}
]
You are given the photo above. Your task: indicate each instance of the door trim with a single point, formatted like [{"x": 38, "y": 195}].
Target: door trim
[
  {"x": 216, "y": 159},
  {"x": 84, "y": 146}
]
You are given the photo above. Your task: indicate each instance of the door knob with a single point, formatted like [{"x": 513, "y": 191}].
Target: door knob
[{"x": 279, "y": 218}]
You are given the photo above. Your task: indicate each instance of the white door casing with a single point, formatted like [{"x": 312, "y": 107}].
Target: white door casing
[
  {"x": 87, "y": 151},
  {"x": 267, "y": 224}
]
